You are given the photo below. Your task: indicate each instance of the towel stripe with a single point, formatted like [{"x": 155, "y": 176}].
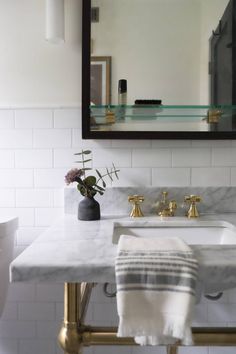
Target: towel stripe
[
  {"x": 153, "y": 264},
  {"x": 155, "y": 279},
  {"x": 164, "y": 289},
  {"x": 159, "y": 270}
]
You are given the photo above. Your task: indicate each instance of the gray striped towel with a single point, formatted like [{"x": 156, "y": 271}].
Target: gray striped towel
[{"x": 156, "y": 280}]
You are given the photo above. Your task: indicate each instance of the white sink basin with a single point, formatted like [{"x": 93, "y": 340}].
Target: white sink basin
[{"x": 192, "y": 232}]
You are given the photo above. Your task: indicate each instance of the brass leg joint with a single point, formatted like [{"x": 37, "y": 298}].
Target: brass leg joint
[{"x": 69, "y": 338}]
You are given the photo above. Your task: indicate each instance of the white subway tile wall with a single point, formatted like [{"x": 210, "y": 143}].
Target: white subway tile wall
[{"x": 37, "y": 147}]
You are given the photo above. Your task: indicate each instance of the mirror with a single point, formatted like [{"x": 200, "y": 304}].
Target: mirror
[{"x": 158, "y": 69}]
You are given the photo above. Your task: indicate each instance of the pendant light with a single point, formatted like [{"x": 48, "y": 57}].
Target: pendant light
[{"x": 55, "y": 21}]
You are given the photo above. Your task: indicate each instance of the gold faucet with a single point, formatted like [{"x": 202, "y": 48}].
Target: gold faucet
[
  {"x": 135, "y": 200},
  {"x": 166, "y": 207},
  {"x": 192, "y": 200}
]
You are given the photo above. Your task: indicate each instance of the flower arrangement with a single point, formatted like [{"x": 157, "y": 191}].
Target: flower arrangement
[{"x": 89, "y": 186}]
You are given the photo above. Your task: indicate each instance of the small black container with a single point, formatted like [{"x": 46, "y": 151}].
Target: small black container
[{"x": 89, "y": 209}]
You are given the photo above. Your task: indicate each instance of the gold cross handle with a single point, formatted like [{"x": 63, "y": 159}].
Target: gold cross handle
[
  {"x": 135, "y": 200},
  {"x": 192, "y": 200}
]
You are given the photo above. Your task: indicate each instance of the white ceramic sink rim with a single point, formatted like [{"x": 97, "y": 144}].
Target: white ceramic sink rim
[{"x": 193, "y": 232}]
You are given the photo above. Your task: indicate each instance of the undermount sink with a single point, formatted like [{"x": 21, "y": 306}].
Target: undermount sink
[{"x": 193, "y": 232}]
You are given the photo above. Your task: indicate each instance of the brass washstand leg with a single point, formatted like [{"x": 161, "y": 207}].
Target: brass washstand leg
[
  {"x": 69, "y": 337},
  {"x": 172, "y": 349}
]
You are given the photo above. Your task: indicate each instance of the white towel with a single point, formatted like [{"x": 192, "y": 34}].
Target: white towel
[{"x": 156, "y": 279}]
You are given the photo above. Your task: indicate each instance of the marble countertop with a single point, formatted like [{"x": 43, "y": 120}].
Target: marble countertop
[{"x": 82, "y": 251}]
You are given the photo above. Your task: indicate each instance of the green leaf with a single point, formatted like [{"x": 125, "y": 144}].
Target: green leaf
[
  {"x": 83, "y": 152},
  {"x": 109, "y": 175},
  {"x": 100, "y": 188},
  {"x": 104, "y": 184},
  {"x": 99, "y": 174},
  {"x": 86, "y": 169},
  {"x": 84, "y": 161},
  {"x": 90, "y": 180},
  {"x": 82, "y": 190}
]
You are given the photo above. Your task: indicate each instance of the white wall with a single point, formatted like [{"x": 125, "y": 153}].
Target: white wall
[
  {"x": 36, "y": 149},
  {"x": 33, "y": 72}
]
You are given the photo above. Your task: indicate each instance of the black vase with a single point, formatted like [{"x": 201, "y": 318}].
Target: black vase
[{"x": 89, "y": 209}]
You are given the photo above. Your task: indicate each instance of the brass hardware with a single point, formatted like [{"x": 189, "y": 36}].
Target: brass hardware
[
  {"x": 166, "y": 208},
  {"x": 192, "y": 200},
  {"x": 214, "y": 115},
  {"x": 172, "y": 349},
  {"x": 135, "y": 200},
  {"x": 110, "y": 117},
  {"x": 74, "y": 335}
]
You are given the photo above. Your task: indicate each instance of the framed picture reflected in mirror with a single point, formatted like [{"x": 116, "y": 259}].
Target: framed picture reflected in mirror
[{"x": 100, "y": 80}]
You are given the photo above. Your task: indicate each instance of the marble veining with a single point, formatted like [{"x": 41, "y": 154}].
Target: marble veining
[
  {"x": 114, "y": 201},
  {"x": 76, "y": 251}
]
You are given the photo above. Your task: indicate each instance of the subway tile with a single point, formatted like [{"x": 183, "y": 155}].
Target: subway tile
[
  {"x": 7, "y": 159},
  {"x": 21, "y": 292},
  {"x": 59, "y": 311},
  {"x": 47, "y": 329},
  {"x": 16, "y": 139},
  {"x": 80, "y": 143},
  {"x": 34, "y": 198},
  {"x": 105, "y": 157},
  {"x": 105, "y": 312},
  {"x": 17, "y": 178},
  {"x": 193, "y": 350},
  {"x": 148, "y": 350},
  {"x": 25, "y": 236},
  {"x": 222, "y": 350},
  {"x": 6, "y": 119},
  {"x": 46, "y": 216},
  {"x": 33, "y": 118},
  {"x": 25, "y": 215},
  {"x": 41, "y": 158},
  {"x": 98, "y": 296},
  {"x": 52, "y": 138},
  {"x": 65, "y": 158},
  {"x": 191, "y": 157},
  {"x": 49, "y": 178},
  {"x": 10, "y": 311},
  {"x": 211, "y": 143},
  {"x": 151, "y": 158},
  {"x": 58, "y": 198},
  {"x": 114, "y": 350},
  {"x": 233, "y": 176},
  {"x": 170, "y": 143},
  {"x": 8, "y": 346},
  {"x": 28, "y": 311},
  {"x": 171, "y": 177},
  {"x": 200, "y": 313},
  {"x": 37, "y": 346},
  {"x": 67, "y": 118},
  {"x": 46, "y": 292},
  {"x": 131, "y": 144},
  {"x": 212, "y": 177},
  {"x": 231, "y": 296},
  {"x": 221, "y": 313},
  {"x": 7, "y": 197},
  {"x": 17, "y": 329},
  {"x": 224, "y": 157},
  {"x": 136, "y": 177}
]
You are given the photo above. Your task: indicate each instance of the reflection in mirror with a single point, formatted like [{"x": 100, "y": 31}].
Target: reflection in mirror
[{"x": 171, "y": 54}]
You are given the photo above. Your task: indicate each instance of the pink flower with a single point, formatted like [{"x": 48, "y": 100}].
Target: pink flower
[{"x": 72, "y": 175}]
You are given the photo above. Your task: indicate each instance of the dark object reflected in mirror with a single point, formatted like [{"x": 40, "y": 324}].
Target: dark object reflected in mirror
[{"x": 178, "y": 58}]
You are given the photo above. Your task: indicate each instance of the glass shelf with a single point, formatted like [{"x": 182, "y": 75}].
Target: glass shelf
[{"x": 111, "y": 114}]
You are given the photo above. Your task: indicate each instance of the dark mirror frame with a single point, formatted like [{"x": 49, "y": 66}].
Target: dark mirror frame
[{"x": 88, "y": 134}]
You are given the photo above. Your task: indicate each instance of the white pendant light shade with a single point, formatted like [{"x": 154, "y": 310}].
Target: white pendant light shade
[{"x": 55, "y": 21}]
